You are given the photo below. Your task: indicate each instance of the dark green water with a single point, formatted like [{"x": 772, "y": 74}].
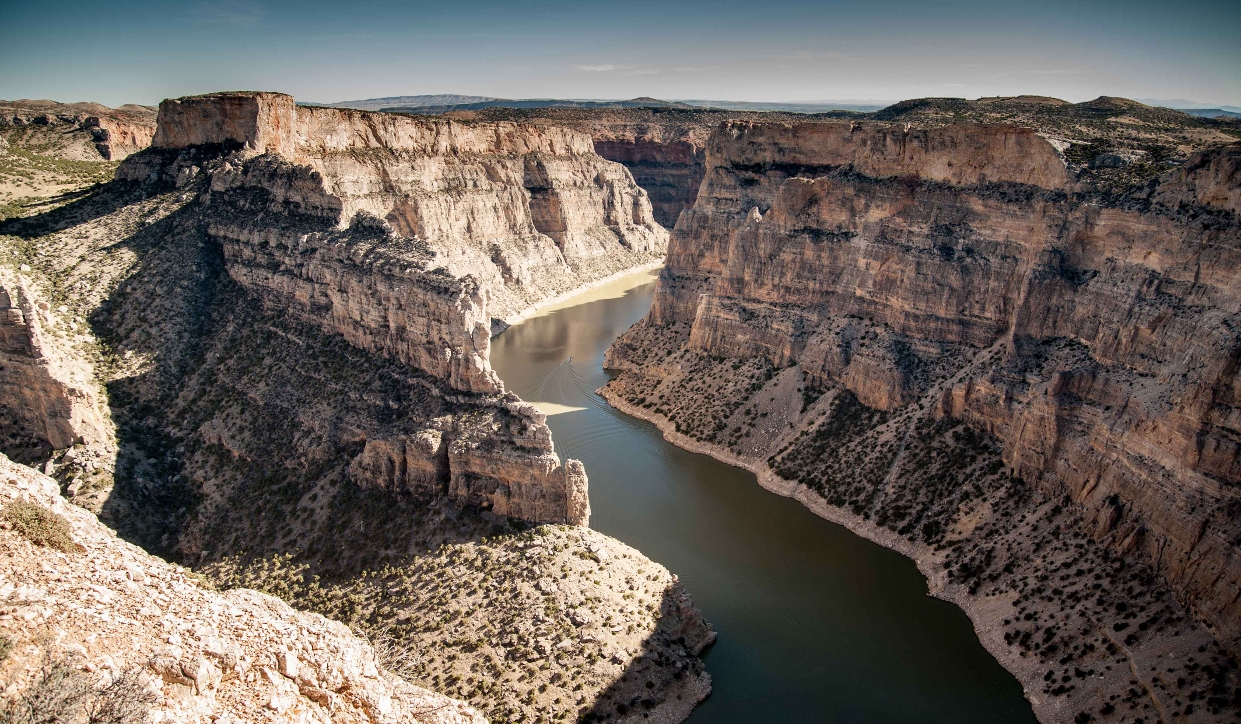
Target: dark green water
[{"x": 815, "y": 623}]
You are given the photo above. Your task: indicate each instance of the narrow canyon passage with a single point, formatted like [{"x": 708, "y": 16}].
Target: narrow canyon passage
[{"x": 816, "y": 624}]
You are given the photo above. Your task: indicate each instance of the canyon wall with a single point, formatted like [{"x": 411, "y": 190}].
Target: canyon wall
[
  {"x": 48, "y": 399},
  {"x": 669, "y": 169},
  {"x": 531, "y": 212},
  {"x": 664, "y": 148},
  {"x": 83, "y": 131},
  {"x": 372, "y": 227},
  {"x": 958, "y": 266},
  {"x": 301, "y": 400}
]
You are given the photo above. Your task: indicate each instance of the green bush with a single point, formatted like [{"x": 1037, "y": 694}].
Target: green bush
[{"x": 40, "y": 526}]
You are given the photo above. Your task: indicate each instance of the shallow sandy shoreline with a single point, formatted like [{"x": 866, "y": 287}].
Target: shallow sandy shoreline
[
  {"x": 569, "y": 298},
  {"x": 986, "y": 620}
]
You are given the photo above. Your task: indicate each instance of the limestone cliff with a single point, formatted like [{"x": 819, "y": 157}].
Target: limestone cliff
[
  {"x": 110, "y": 133},
  {"x": 956, "y": 270},
  {"x": 530, "y": 212},
  {"x": 405, "y": 237},
  {"x": 297, "y": 375}
]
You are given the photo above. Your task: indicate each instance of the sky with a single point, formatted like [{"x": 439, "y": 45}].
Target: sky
[{"x": 140, "y": 51}]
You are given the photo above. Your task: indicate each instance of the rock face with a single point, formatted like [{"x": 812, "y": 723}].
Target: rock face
[
  {"x": 664, "y": 148},
  {"x": 1098, "y": 344},
  {"x": 48, "y": 400},
  {"x": 530, "y": 212},
  {"x": 238, "y": 654},
  {"x": 113, "y": 133},
  {"x": 669, "y": 169},
  {"x": 298, "y": 377},
  {"x": 358, "y": 225}
]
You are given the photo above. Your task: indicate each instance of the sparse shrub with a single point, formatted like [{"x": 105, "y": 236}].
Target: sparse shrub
[
  {"x": 40, "y": 526},
  {"x": 61, "y": 693}
]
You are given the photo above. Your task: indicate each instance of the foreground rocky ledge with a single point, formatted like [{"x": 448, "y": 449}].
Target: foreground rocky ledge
[{"x": 109, "y": 609}]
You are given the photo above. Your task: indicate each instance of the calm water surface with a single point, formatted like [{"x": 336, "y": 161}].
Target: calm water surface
[{"x": 815, "y": 623}]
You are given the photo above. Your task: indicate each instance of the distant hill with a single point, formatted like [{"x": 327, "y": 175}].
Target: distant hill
[
  {"x": 374, "y": 104},
  {"x": 445, "y": 103},
  {"x": 434, "y": 109},
  {"x": 791, "y": 106},
  {"x": 1210, "y": 112},
  {"x": 1181, "y": 104}
]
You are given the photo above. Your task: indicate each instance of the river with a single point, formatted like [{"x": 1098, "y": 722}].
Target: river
[{"x": 815, "y": 624}]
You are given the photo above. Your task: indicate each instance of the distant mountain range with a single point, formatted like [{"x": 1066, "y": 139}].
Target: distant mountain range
[
  {"x": 793, "y": 106},
  {"x": 1210, "y": 112},
  {"x": 445, "y": 102},
  {"x": 1194, "y": 108}
]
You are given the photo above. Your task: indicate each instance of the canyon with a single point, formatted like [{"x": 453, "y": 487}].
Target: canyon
[
  {"x": 998, "y": 336},
  {"x": 940, "y": 338},
  {"x": 282, "y": 317}
]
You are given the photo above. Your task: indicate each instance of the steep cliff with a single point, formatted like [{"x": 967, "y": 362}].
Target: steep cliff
[
  {"x": 664, "y": 148},
  {"x": 295, "y": 374},
  {"x": 1113, "y": 144},
  {"x": 838, "y": 288},
  {"x": 530, "y": 212}
]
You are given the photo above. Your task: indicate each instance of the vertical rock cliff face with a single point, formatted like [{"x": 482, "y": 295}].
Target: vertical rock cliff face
[
  {"x": 48, "y": 400},
  {"x": 530, "y": 212},
  {"x": 295, "y": 357},
  {"x": 366, "y": 226},
  {"x": 960, "y": 267},
  {"x": 670, "y": 170},
  {"x": 664, "y": 148}
]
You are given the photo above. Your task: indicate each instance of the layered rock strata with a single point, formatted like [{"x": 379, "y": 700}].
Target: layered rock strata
[
  {"x": 954, "y": 272},
  {"x": 530, "y": 212},
  {"x": 112, "y": 612},
  {"x": 293, "y": 377},
  {"x": 663, "y": 148},
  {"x": 370, "y": 226},
  {"x": 48, "y": 397},
  {"x": 112, "y": 133}
]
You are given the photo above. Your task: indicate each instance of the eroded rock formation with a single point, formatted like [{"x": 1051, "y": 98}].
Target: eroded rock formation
[
  {"x": 48, "y": 397},
  {"x": 531, "y": 212},
  {"x": 955, "y": 269},
  {"x": 298, "y": 377}
]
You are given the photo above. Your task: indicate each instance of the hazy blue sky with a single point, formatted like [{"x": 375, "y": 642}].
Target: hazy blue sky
[{"x": 140, "y": 51}]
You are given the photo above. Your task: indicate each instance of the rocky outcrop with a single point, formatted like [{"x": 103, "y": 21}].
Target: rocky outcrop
[
  {"x": 530, "y": 212},
  {"x": 777, "y": 264},
  {"x": 1208, "y": 178},
  {"x": 406, "y": 237},
  {"x": 1098, "y": 344},
  {"x": 48, "y": 399},
  {"x": 119, "y": 138},
  {"x": 112, "y": 133},
  {"x": 192, "y": 652}
]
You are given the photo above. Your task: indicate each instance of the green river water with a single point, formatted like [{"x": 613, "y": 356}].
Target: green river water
[{"x": 815, "y": 624}]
